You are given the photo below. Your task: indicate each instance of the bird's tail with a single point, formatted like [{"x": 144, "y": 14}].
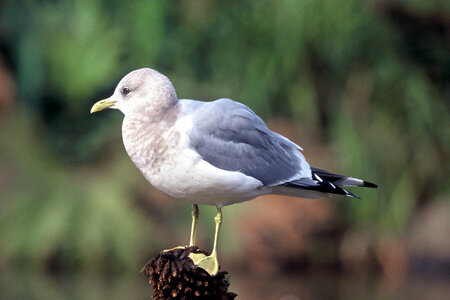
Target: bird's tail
[
  {"x": 322, "y": 182},
  {"x": 341, "y": 180}
]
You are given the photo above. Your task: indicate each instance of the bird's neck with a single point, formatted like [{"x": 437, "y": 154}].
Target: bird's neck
[
  {"x": 142, "y": 133},
  {"x": 153, "y": 113}
]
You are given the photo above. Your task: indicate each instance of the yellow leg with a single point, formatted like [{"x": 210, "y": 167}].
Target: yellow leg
[
  {"x": 218, "y": 220},
  {"x": 210, "y": 263},
  {"x": 195, "y": 214},
  {"x": 196, "y": 257}
]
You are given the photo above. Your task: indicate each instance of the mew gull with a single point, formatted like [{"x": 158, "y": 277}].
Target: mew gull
[{"x": 213, "y": 153}]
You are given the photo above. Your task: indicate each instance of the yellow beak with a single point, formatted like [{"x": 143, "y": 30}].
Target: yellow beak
[{"x": 102, "y": 104}]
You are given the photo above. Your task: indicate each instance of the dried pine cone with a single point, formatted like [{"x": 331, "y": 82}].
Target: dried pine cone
[{"x": 173, "y": 275}]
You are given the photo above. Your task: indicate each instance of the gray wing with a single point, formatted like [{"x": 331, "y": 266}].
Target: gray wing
[{"x": 230, "y": 136}]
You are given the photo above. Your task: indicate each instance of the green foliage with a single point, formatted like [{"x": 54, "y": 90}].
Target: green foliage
[
  {"x": 344, "y": 70},
  {"x": 52, "y": 213}
]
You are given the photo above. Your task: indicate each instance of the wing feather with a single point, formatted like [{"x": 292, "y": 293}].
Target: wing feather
[{"x": 232, "y": 137}]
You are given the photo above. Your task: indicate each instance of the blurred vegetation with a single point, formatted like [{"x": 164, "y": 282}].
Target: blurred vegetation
[{"x": 367, "y": 80}]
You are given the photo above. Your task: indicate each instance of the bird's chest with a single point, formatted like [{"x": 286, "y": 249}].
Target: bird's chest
[
  {"x": 161, "y": 154},
  {"x": 164, "y": 157},
  {"x": 150, "y": 146}
]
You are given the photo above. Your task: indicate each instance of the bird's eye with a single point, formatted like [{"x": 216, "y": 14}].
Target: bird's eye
[{"x": 125, "y": 91}]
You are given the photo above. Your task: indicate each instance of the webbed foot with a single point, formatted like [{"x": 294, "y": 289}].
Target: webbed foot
[
  {"x": 196, "y": 257},
  {"x": 210, "y": 264},
  {"x": 175, "y": 248}
]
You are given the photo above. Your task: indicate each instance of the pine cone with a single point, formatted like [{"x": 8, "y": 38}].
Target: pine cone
[{"x": 173, "y": 275}]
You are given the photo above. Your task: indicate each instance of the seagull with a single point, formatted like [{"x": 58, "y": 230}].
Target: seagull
[{"x": 211, "y": 153}]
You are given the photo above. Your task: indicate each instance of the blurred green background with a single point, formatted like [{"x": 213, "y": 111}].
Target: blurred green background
[{"x": 362, "y": 86}]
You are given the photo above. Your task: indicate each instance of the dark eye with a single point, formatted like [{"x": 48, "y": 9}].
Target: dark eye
[{"x": 125, "y": 91}]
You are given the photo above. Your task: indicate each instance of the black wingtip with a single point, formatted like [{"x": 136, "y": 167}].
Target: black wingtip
[
  {"x": 370, "y": 185},
  {"x": 350, "y": 194}
]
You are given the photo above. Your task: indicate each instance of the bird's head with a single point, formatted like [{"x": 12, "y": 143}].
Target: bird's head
[{"x": 140, "y": 91}]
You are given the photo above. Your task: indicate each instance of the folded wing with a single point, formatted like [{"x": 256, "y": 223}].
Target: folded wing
[{"x": 230, "y": 136}]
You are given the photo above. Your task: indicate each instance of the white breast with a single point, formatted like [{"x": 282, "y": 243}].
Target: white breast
[{"x": 165, "y": 159}]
